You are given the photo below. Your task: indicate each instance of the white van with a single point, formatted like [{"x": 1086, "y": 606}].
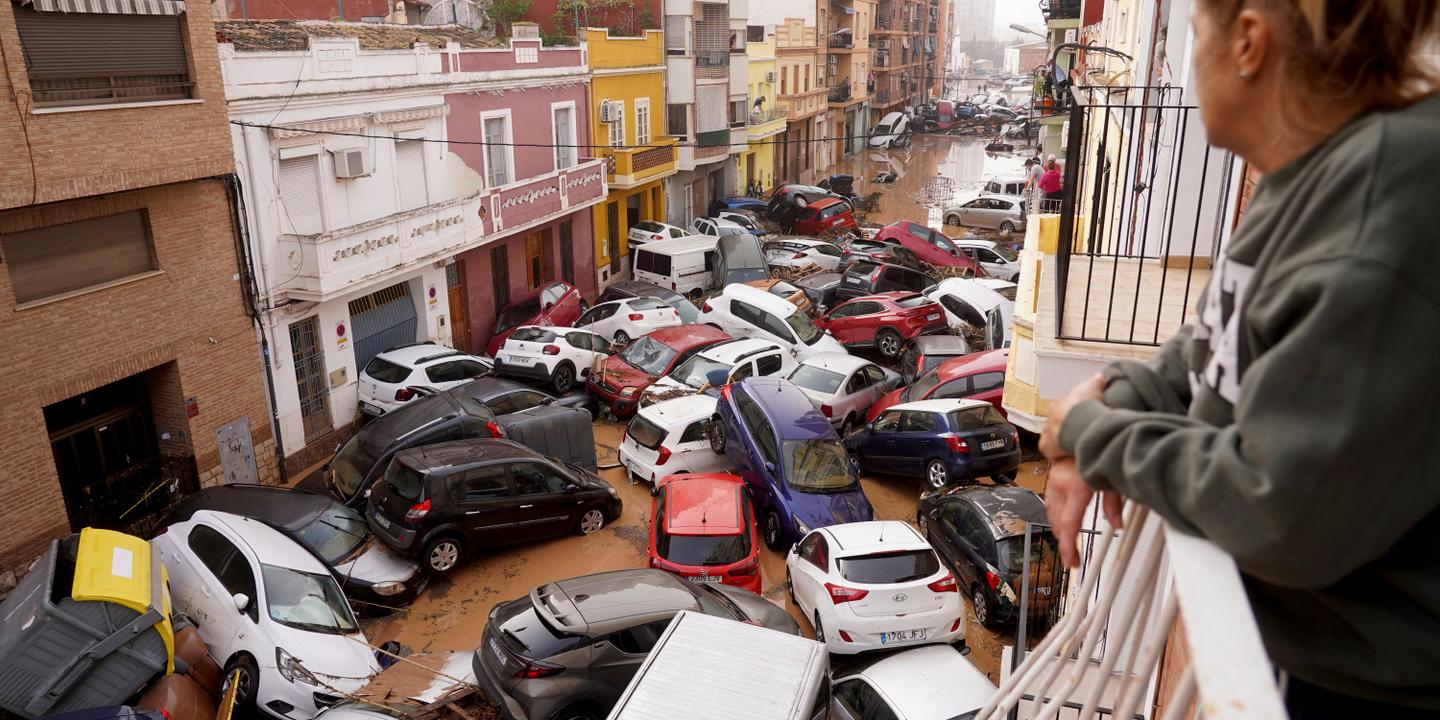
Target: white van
[
  {"x": 684, "y": 264},
  {"x": 718, "y": 669}
]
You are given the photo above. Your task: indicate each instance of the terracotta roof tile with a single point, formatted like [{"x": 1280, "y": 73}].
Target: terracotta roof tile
[{"x": 280, "y": 35}]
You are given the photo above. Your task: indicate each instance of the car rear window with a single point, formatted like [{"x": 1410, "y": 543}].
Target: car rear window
[
  {"x": 386, "y": 371},
  {"x": 975, "y": 418},
  {"x": 528, "y": 634},
  {"x": 783, "y": 289},
  {"x": 1042, "y": 552},
  {"x": 889, "y": 567},
  {"x": 533, "y": 334},
  {"x": 863, "y": 268},
  {"x": 817, "y": 379},
  {"x": 647, "y": 304},
  {"x": 646, "y": 434},
  {"x": 647, "y": 226},
  {"x": 702, "y": 550},
  {"x": 914, "y": 301},
  {"x": 652, "y": 262},
  {"x": 518, "y": 314},
  {"x": 404, "y": 481}
]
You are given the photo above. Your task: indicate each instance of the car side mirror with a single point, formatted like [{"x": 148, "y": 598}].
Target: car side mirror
[
  {"x": 769, "y": 467},
  {"x": 241, "y": 600}
]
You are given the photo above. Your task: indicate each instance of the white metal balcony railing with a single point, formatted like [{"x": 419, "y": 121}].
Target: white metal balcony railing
[{"x": 1103, "y": 657}]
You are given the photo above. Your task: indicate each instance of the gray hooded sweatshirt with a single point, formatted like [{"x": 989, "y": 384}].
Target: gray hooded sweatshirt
[{"x": 1296, "y": 422}]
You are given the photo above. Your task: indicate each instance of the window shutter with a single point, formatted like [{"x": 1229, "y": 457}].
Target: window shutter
[
  {"x": 87, "y": 58},
  {"x": 300, "y": 193},
  {"x": 50, "y": 261},
  {"x": 410, "y": 173}
]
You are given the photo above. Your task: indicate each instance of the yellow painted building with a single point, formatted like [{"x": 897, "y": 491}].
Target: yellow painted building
[
  {"x": 766, "y": 120},
  {"x": 627, "y": 116}
]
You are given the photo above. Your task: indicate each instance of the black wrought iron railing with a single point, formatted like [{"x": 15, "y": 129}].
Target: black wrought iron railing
[
  {"x": 1141, "y": 210},
  {"x": 840, "y": 93},
  {"x": 1060, "y": 9}
]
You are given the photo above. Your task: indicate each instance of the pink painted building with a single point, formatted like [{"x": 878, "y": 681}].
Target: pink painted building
[{"x": 534, "y": 212}]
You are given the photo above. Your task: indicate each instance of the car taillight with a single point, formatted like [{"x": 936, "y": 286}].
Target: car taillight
[
  {"x": 826, "y": 410},
  {"x": 956, "y": 625},
  {"x": 658, "y": 236},
  {"x": 664, "y": 454},
  {"x": 636, "y": 317},
  {"x": 845, "y": 636},
  {"x": 494, "y": 429},
  {"x": 957, "y": 444},
  {"x": 749, "y": 567},
  {"x": 841, "y": 594},
  {"x": 534, "y": 670},
  {"x": 404, "y": 394},
  {"x": 798, "y": 256},
  {"x": 992, "y": 580},
  {"x": 672, "y": 286},
  {"x": 417, "y": 511},
  {"x": 945, "y": 584},
  {"x": 551, "y": 350},
  {"x": 705, "y": 307}
]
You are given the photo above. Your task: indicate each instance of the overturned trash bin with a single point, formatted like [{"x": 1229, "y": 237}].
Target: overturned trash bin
[{"x": 88, "y": 626}]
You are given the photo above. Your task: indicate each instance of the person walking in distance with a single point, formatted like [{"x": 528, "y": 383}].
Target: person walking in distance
[{"x": 1295, "y": 423}]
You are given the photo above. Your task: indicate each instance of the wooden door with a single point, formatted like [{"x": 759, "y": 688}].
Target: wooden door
[
  {"x": 534, "y": 260},
  {"x": 459, "y": 315}
]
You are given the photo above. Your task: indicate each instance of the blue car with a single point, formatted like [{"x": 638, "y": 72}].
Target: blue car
[
  {"x": 791, "y": 459},
  {"x": 942, "y": 441},
  {"x": 755, "y": 205}
]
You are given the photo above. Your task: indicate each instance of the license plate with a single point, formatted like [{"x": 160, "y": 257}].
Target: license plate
[
  {"x": 520, "y": 360},
  {"x": 381, "y": 520},
  {"x": 992, "y": 444},
  {"x": 1042, "y": 590},
  {"x": 933, "y": 316},
  {"x": 704, "y": 578},
  {"x": 903, "y": 636},
  {"x": 369, "y": 409}
]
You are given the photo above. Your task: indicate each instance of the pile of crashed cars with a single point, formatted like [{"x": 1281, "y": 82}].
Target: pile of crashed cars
[{"x": 752, "y": 406}]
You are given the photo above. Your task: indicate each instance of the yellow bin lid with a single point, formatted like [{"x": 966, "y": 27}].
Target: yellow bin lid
[{"x": 118, "y": 568}]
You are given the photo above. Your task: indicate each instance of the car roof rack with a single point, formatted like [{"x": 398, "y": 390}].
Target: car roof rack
[{"x": 437, "y": 356}]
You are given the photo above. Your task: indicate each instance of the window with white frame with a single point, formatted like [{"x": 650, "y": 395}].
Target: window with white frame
[
  {"x": 563, "y": 122},
  {"x": 498, "y": 156},
  {"x": 642, "y": 121},
  {"x": 410, "y": 173},
  {"x": 617, "y": 128},
  {"x": 299, "y": 183}
]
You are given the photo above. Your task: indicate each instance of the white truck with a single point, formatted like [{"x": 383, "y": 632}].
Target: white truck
[{"x": 710, "y": 668}]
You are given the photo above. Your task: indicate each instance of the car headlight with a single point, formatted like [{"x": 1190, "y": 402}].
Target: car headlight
[
  {"x": 627, "y": 392},
  {"x": 389, "y": 588},
  {"x": 613, "y": 492},
  {"x": 800, "y": 525},
  {"x": 291, "y": 669}
]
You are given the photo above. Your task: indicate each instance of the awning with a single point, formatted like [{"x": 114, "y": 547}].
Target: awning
[{"x": 110, "y": 7}]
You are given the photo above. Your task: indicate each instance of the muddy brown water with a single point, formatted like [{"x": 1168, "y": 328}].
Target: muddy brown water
[{"x": 451, "y": 614}]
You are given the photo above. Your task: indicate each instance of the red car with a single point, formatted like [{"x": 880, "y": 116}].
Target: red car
[
  {"x": 928, "y": 245},
  {"x": 558, "y": 303},
  {"x": 626, "y": 374},
  {"x": 980, "y": 376},
  {"x": 704, "y": 531},
  {"x": 885, "y": 321},
  {"x": 824, "y": 215}
]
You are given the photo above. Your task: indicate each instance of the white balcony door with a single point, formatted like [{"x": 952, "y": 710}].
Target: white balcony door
[
  {"x": 300, "y": 194},
  {"x": 410, "y": 174},
  {"x": 564, "y": 126}
]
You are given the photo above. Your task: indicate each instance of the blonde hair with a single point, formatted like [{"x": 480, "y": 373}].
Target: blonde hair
[{"x": 1359, "y": 53}]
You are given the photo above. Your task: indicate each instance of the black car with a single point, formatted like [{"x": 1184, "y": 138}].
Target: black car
[
  {"x": 634, "y": 289},
  {"x": 788, "y": 199},
  {"x": 980, "y": 533},
  {"x": 928, "y": 351},
  {"x": 882, "y": 252},
  {"x": 820, "y": 288},
  {"x": 868, "y": 278},
  {"x": 439, "y": 502},
  {"x": 372, "y": 575}
]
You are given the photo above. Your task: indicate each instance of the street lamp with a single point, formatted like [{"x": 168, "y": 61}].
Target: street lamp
[{"x": 1017, "y": 27}]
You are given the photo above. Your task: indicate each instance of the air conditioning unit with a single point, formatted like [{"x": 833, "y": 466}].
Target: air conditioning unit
[
  {"x": 770, "y": 77},
  {"x": 610, "y": 111},
  {"x": 353, "y": 163}
]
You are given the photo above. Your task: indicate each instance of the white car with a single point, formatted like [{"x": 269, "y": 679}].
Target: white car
[
  {"x": 622, "y": 320},
  {"x": 1005, "y": 213},
  {"x": 843, "y": 386},
  {"x": 1006, "y": 288},
  {"x": 750, "y": 312},
  {"x": 668, "y": 438},
  {"x": 716, "y": 227},
  {"x": 267, "y": 608},
  {"x": 873, "y": 585},
  {"x": 968, "y": 302},
  {"x": 924, "y": 683},
  {"x": 721, "y": 364},
  {"x": 558, "y": 356},
  {"x": 888, "y": 132},
  {"x": 386, "y": 381},
  {"x": 648, "y": 230},
  {"x": 998, "y": 260},
  {"x": 799, "y": 252}
]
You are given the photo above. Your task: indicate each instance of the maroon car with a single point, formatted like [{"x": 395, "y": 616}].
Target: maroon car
[
  {"x": 556, "y": 303},
  {"x": 886, "y": 321},
  {"x": 928, "y": 245},
  {"x": 625, "y": 375}
]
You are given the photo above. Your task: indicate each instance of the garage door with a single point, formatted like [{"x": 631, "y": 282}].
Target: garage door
[{"x": 380, "y": 320}]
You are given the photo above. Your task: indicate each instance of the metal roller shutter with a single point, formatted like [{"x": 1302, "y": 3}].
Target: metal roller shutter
[
  {"x": 410, "y": 173},
  {"x": 382, "y": 319},
  {"x": 300, "y": 193},
  {"x": 82, "y": 57}
]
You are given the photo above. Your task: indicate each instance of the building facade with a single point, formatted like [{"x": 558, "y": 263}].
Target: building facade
[
  {"x": 380, "y": 188},
  {"x": 803, "y": 95},
  {"x": 627, "y": 106},
  {"x": 849, "y": 72},
  {"x": 125, "y": 308},
  {"x": 706, "y": 79},
  {"x": 765, "y": 124},
  {"x": 897, "y": 48}
]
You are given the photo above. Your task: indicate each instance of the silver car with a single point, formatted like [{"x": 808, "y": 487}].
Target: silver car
[
  {"x": 1005, "y": 213},
  {"x": 843, "y": 386},
  {"x": 570, "y": 648}
]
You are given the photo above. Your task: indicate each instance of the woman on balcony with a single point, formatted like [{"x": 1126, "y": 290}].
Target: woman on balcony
[{"x": 1296, "y": 423}]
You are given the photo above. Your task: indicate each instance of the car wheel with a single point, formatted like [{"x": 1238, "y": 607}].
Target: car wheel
[
  {"x": 952, "y": 219},
  {"x": 243, "y": 671},
  {"x": 771, "y": 531},
  {"x": 981, "y": 606},
  {"x": 888, "y": 341},
  {"x": 1004, "y": 478},
  {"x": 790, "y": 589},
  {"x": 716, "y": 431},
  {"x": 936, "y": 475},
  {"x": 1007, "y": 227},
  {"x": 819, "y": 629},
  {"x": 847, "y": 426},
  {"x": 621, "y": 338},
  {"x": 591, "y": 521},
  {"x": 442, "y": 554},
  {"x": 563, "y": 378},
  {"x": 577, "y": 713}
]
